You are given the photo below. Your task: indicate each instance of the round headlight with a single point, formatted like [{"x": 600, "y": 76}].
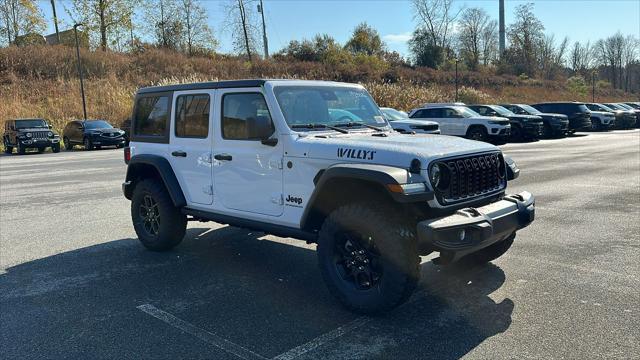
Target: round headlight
[
  {"x": 435, "y": 175},
  {"x": 50, "y": 134},
  {"x": 28, "y": 135}
]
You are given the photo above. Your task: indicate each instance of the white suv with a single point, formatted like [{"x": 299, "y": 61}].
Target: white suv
[
  {"x": 287, "y": 158},
  {"x": 461, "y": 121}
]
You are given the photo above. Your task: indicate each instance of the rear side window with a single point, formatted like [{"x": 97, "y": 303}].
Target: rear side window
[
  {"x": 419, "y": 114},
  {"x": 151, "y": 116},
  {"x": 192, "y": 116},
  {"x": 237, "y": 109}
]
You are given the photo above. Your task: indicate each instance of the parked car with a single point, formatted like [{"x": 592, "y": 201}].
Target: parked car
[
  {"x": 578, "y": 113},
  {"x": 23, "y": 134},
  {"x": 625, "y": 118},
  {"x": 554, "y": 125},
  {"x": 92, "y": 134},
  {"x": 400, "y": 122},
  {"x": 373, "y": 200},
  {"x": 635, "y": 105},
  {"x": 633, "y": 110},
  {"x": 522, "y": 126},
  {"x": 602, "y": 117},
  {"x": 462, "y": 121}
]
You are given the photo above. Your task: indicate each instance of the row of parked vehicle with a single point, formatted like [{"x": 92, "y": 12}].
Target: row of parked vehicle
[
  {"x": 515, "y": 122},
  {"x": 492, "y": 123},
  {"x": 24, "y": 134}
]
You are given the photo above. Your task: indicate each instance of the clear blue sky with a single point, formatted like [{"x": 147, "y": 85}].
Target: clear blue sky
[{"x": 580, "y": 20}]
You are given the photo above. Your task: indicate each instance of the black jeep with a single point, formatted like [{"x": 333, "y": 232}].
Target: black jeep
[{"x": 24, "y": 134}]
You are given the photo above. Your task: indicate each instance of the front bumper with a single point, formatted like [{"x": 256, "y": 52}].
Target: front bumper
[
  {"x": 106, "y": 141},
  {"x": 471, "y": 229},
  {"x": 580, "y": 124},
  {"x": 39, "y": 143},
  {"x": 532, "y": 130}
]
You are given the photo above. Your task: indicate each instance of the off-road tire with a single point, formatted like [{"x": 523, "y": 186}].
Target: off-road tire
[
  {"x": 490, "y": 253},
  {"x": 55, "y": 148},
  {"x": 477, "y": 133},
  {"x": 40, "y": 150},
  {"x": 67, "y": 144},
  {"x": 88, "y": 144},
  {"x": 21, "y": 149},
  {"x": 397, "y": 254},
  {"x": 172, "y": 224}
]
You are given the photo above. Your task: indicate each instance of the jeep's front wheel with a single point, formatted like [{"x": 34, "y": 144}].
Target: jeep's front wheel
[
  {"x": 367, "y": 258},
  {"x": 158, "y": 223}
]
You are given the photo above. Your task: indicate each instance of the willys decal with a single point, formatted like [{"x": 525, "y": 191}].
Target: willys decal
[{"x": 356, "y": 154}]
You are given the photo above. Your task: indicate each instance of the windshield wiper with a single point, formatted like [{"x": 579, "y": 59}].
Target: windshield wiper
[
  {"x": 355, "y": 123},
  {"x": 319, "y": 126}
]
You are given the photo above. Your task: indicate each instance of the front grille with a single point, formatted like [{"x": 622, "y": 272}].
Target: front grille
[
  {"x": 425, "y": 127},
  {"x": 110, "y": 135},
  {"x": 473, "y": 176},
  {"x": 40, "y": 135}
]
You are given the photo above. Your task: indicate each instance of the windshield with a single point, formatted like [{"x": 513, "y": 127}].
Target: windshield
[
  {"x": 604, "y": 107},
  {"x": 393, "y": 114},
  {"x": 327, "y": 105},
  {"x": 31, "y": 123},
  {"x": 97, "y": 124},
  {"x": 466, "y": 112},
  {"x": 530, "y": 109},
  {"x": 625, "y": 106},
  {"x": 614, "y": 107},
  {"x": 501, "y": 111}
]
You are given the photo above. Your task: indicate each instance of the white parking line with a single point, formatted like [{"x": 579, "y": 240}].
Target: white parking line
[
  {"x": 322, "y": 339},
  {"x": 201, "y": 334}
]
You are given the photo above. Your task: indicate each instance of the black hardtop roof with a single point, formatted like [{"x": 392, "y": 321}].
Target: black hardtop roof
[
  {"x": 205, "y": 85},
  {"x": 561, "y": 102}
]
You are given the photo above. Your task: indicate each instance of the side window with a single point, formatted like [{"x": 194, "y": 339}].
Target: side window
[
  {"x": 238, "y": 109},
  {"x": 192, "y": 116},
  {"x": 481, "y": 110},
  {"x": 450, "y": 113},
  {"x": 419, "y": 114},
  {"x": 151, "y": 116},
  {"x": 434, "y": 113}
]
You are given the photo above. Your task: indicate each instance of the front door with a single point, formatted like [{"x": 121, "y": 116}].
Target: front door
[
  {"x": 247, "y": 173},
  {"x": 190, "y": 144}
]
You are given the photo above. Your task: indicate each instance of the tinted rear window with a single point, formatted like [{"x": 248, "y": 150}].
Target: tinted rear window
[{"x": 151, "y": 116}]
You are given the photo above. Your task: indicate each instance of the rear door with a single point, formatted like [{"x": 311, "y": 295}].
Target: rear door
[{"x": 190, "y": 143}]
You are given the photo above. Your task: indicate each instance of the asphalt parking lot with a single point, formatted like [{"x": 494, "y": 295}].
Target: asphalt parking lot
[{"x": 75, "y": 283}]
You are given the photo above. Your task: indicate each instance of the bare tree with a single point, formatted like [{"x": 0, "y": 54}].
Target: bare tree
[
  {"x": 107, "y": 17},
  {"x": 437, "y": 17},
  {"x": 525, "y": 36},
  {"x": 198, "y": 34},
  {"x": 474, "y": 31},
  {"x": 610, "y": 51},
  {"x": 241, "y": 21},
  {"x": 629, "y": 56},
  {"x": 164, "y": 21},
  {"x": 489, "y": 42},
  {"x": 18, "y": 18}
]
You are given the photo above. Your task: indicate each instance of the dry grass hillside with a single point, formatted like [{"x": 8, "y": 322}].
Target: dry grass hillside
[{"x": 43, "y": 82}]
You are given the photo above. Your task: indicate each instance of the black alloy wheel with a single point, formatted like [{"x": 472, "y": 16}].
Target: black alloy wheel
[{"x": 150, "y": 215}]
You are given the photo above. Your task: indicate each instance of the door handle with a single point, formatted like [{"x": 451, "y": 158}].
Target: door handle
[
  {"x": 179, "y": 153},
  {"x": 226, "y": 157}
]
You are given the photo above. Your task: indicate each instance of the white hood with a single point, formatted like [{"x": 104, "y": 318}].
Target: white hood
[{"x": 395, "y": 149}]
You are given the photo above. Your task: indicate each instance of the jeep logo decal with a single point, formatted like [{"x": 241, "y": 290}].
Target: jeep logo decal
[
  {"x": 295, "y": 201},
  {"x": 356, "y": 154}
]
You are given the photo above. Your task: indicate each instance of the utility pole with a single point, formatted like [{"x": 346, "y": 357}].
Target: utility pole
[
  {"x": 264, "y": 31},
  {"x": 457, "y": 60},
  {"x": 593, "y": 86},
  {"x": 84, "y": 104},
  {"x": 55, "y": 20},
  {"x": 501, "y": 29}
]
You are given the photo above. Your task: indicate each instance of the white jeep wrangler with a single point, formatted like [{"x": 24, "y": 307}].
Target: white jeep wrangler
[{"x": 286, "y": 157}]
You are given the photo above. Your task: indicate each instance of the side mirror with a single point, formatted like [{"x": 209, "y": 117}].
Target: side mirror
[
  {"x": 261, "y": 128},
  {"x": 50, "y": 127}
]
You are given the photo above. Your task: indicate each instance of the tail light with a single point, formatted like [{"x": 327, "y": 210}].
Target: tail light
[{"x": 127, "y": 154}]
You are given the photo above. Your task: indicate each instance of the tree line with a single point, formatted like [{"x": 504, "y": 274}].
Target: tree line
[{"x": 445, "y": 36}]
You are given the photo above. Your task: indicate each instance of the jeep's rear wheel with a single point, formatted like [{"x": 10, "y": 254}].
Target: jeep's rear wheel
[
  {"x": 55, "y": 147},
  {"x": 367, "y": 258},
  {"x": 159, "y": 225},
  {"x": 477, "y": 133}
]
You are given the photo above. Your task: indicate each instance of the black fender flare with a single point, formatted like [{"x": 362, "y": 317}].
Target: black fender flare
[
  {"x": 379, "y": 174},
  {"x": 164, "y": 169}
]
